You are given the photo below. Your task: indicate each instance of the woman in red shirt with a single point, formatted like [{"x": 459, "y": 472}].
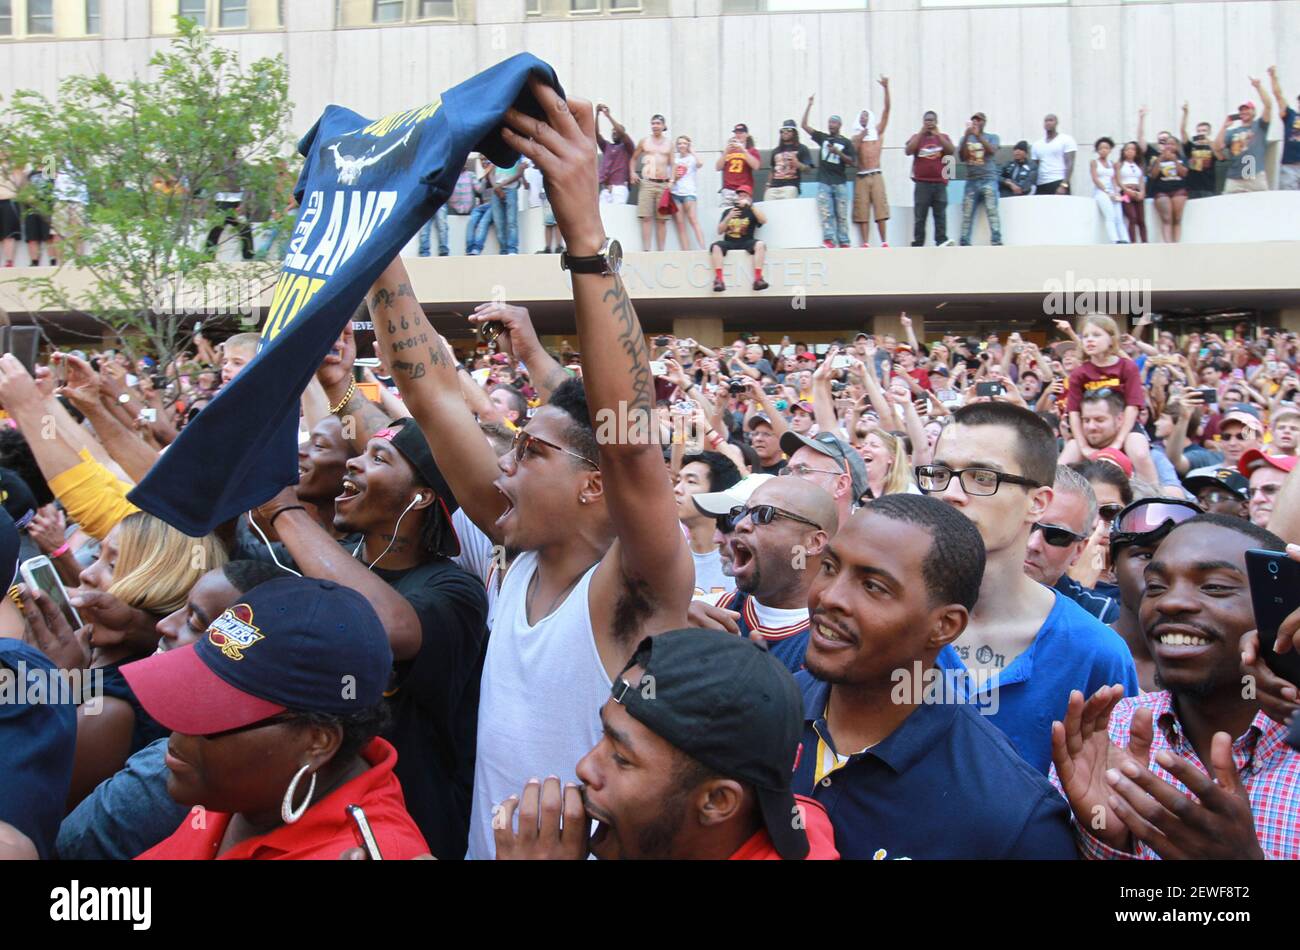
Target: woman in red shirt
[{"x": 275, "y": 713}]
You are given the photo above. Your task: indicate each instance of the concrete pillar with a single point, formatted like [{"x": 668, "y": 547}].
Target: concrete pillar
[{"x": 706, "y": 330}]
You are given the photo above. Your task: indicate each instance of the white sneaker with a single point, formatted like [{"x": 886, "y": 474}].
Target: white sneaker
[{"x": 948, "y": 243}]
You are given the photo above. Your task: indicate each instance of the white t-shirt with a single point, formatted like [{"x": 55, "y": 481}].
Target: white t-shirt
[
  {"x": 710, "y": 582},
  {"x": 1051, "y": 157},
  {"x": 685, "y": 187}
]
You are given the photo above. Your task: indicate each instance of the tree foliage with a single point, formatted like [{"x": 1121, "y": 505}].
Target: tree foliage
[{"x": 152, "y": 153}]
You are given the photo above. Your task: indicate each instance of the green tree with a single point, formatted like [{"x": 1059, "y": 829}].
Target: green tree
[{"x": 150, "y": 157}]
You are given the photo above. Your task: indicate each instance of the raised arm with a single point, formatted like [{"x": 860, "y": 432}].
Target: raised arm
[
  {"x": 645, "y": 559},
  {"x": 519, "y": 341},
  {"x": 1142, "y": 132},
  {"x": 1182, "y": 125},
  {"x": 1277, "y": 88},
  {"x": 884, "y": 112},
  {"x": 807, "y": 112},
  {"x": 1267, "y": 114},
  {"x": 425, "y": 371}
]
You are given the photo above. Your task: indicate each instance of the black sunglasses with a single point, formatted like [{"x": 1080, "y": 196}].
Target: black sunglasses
[
  {"x": 275, "y": 720},
  {"x": 764, "y": 514},
  {"x": 1057, "y": 536}
]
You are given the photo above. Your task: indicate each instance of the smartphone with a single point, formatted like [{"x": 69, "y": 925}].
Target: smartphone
[
  {"x": 662, "y": 341},
  {"x": 658, "y": 368},
  {"x": 1208, "y": 396},
  {"x": 1275, "y": 593},
  {"x": 842, "y": 362},
  {"x": 947, "y": 395},
  {"x": 363, "y": 830},
  {"x": 989, "y": 389},
  {"x": 39, "y": 573}
]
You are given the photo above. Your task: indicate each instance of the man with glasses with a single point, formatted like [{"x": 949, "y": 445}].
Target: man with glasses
[
  {"x": 587, "y": 510},
  {"x": 1137, "y": 531},
  {"x": 776, "y": 546},
  {"x": 996, "y": 463},
  {"x": 1220, "y": 490},
  {"x": 1266, "y": 474},
  {"x": 829, "y": 463},
  {"x": 1059, "y": 538},
  {"x": 1240, "y": 430}
]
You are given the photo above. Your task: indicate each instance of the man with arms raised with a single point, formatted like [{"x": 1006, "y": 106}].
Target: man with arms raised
[
  {"x": 1130, "y": 766},
  {"x": 779, "y": 535},
  {"x": 996, "y": 464},
  {"x": 903, "y": 771},
  {"x": 597, "y": 570}
]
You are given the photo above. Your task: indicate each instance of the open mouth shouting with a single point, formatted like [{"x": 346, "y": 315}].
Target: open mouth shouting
[{"x": 352, "y": 490}]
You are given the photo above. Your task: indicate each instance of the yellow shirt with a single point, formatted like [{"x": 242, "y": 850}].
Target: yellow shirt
[{"x": 92, "y": 496}]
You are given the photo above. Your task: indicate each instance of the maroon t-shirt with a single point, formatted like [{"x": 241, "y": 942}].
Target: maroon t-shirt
[
  {"x": 1121, "y": 376},
  {"x": 927, "y": 164},
  {"x": 736, "y": 171}
]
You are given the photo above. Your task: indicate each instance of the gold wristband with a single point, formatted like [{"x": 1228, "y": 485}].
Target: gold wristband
[{"x": 347, "y": 397}]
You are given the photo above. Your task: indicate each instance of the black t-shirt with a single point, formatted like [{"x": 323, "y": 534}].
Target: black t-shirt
[
  {"x": 786, "y": 160},
  {"x": 1200, "y": 165},
  {"x": 830, "y": 170},
  {"x": 434, "y": 701},
  {"x": 741, "y": 226}
]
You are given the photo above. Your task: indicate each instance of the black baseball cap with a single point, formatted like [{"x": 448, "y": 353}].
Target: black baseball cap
[
  {"x": 740, "y": 127},
  {"x": 9, "y": 549},
  {"x": 731, "y": 706},
  {"x": 406, "y": 437},
  {"x": 17, "y": 498},
  {"x": 289, "y": 644},
  {"x": 789, "y": 124},
  {"x": 1218, "y": 476}
]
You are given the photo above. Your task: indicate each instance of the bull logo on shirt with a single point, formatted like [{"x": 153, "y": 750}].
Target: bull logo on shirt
[
  {"x": 233, "y": 632},
  {"x": 388, "y": 149},
  {"x": 350, "y": 167}
]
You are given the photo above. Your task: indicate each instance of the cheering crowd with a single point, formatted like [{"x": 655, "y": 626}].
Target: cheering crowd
[{"x": 648, "y": 598}]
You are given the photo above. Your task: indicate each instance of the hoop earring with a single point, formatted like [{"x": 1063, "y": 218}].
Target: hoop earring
[{"x": 287, "y": 812}]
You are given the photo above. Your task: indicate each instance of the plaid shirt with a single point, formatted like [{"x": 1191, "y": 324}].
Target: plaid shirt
[{"x": 1269, "y": 768}]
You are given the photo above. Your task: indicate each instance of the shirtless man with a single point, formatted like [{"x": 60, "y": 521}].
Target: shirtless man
[
  {"x": 869, "y": 192},
  {"x": 654, "y": 157}
]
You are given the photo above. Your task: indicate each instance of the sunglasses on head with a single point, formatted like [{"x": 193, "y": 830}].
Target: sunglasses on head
[
  {"x": 1057, "y": 536},
  {"x": 1149, "y": 516}
]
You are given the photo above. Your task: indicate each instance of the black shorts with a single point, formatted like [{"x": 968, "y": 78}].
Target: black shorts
[
  {"x": 746, "y": 245},
  {"x": 36, "y": 227},
  {"x": 9, "y": 222}
]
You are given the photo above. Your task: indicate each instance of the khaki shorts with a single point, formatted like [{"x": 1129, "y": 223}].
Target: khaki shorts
[
  {"x": 647, "y": 198},
  {"x": 869, "y": 194},
  {"x": 781, "y": 192}
]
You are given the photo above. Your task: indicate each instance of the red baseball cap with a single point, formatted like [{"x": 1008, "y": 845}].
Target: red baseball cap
[
  {"x": 745, "y": 188},
  {"x": 807, "y": 355},
  {"x": 1115, "y": 457},
  {"x": 1254, "y": 458}
]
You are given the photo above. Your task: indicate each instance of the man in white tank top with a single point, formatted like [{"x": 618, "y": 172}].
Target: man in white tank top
[{"x": 584, "y": 495}]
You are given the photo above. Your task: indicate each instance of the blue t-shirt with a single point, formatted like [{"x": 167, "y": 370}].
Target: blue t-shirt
[
  {"x": 1291, "y": 137},
  {"x": 366, "y": 188},
  {"x": 1100, "y": 605},
  {"x": 127, "y": 813},
  {"x": 1073, "y": 650},
  {"x": 38, "y": 737},
  {"x": 944, "y": 785}
]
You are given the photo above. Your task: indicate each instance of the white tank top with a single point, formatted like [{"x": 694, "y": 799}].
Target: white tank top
[
  {"x": 1106, "y": 175},
  {"x": 1130, "y": 173},
  {"x": 540, "y": 698}
]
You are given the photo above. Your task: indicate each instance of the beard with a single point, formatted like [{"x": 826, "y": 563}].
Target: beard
[{"x": 655, "y": 841}]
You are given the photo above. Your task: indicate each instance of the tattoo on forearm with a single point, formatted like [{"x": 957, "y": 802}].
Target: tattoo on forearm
[
  {"x": 383, "y": 297},
  {"x": 632, "y": 340},
  {"x": 409, "y": 370}
]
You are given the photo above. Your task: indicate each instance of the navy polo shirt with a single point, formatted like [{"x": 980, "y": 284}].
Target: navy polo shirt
[
  {"x": 1098, "y": 601},
  {"x": 1073, "y": 650},
  {"x": 944, "y": 785}
]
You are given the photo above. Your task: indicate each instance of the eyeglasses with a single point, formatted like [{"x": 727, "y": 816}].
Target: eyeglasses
[
  {"x": 523, "y": 443},
  {"x": 803, "y": 471},
  {"x": 1218, "y": 497},
  {"x": 1245, "y": 435},
  {"x": 1268, "y": 491},
  {"x": 1109, "y": 512},
  {"x": 275, "y": 720},
  {"x": 1057, "y": 536},
  {"x": 974, "y": 481},
  {"x": 764, "y": 514}
]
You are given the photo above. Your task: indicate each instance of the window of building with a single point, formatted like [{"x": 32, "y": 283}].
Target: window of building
[
  {"x": 92, "y": 18},
  {"x": 992, "y": 3},
  {"x": 389, "y": 11},
  {"x": 584, "y": 6},
  {"x": 533, "y": 7},
  {"x": 233, "y": 15},
  {"x": 40, "y": 17},
  {"x": 6, "y": 18},
  {"x": 435, "y": 9},
  {"x": 196, "y": 10},
  {"x": 791, "y": 6}
]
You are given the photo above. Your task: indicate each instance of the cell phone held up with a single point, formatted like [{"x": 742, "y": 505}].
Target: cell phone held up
[
  {"x": 38, "y": 573},
  {"x": 989, "y": 389},
  {"x": 1275, "y": 593}
]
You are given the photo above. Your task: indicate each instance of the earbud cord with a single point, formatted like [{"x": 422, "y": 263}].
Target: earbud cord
[
  {"x": 270, "y": 550},
  {"x": 357, "y": 550}
]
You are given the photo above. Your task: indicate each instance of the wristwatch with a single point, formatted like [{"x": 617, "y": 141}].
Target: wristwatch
[{"x": 606, "y": 262}]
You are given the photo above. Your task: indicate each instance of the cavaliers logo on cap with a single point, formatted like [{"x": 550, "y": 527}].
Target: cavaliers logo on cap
[{"x": 233, "y": 632}]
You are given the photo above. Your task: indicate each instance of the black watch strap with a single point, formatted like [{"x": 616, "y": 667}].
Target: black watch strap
[{"x": 593, "y": 264}]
